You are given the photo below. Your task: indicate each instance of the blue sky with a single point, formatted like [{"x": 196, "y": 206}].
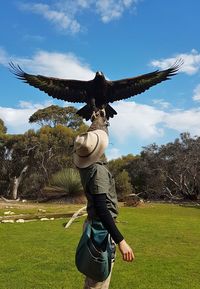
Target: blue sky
[{"x": 74, "y": 39}]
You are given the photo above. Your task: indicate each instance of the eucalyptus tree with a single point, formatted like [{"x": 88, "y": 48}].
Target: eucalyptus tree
[{"x": 54, "y": 115}]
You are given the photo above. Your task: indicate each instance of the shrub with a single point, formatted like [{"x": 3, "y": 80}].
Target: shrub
[
  {"x": 123, "y": 185},
  {"x": 68, "y": 180}
]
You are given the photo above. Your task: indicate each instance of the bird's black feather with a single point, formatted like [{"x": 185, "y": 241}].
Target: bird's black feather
[{"x": 98, "y": 92}]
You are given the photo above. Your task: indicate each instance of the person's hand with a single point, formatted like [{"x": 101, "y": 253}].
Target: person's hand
[{"x": 126, "y": 251}]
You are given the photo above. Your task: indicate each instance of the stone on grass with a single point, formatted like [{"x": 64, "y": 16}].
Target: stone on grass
[
  {"x": 44, "y": 219},
  {"x": 7, "y": 221},
  {"x": 9, "y": 213},
  {"x": 20, "y": 221}
]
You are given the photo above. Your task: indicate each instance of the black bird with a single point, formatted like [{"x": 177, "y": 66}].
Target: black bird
[{"x": 98, "y": 92}]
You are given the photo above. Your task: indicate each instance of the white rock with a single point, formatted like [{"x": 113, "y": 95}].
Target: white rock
[
  {"x": 52, "y": 219},
  {"x": 20, "y": 221},
  {"x": 7, "y": 221},
  {"x": 24, "y": 201},
  {"x": 8, "y": 213},
  {"x": 44, "y": 219}
]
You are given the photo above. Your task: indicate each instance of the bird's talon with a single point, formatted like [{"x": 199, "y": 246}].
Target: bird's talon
[
  {"x": 94, "y": 115},
  {"x": 102, "y": 112}
]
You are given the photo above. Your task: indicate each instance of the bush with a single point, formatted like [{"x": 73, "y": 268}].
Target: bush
[
  {"x": 123, "y": 185},
  {"x": 68, "y": 180}
]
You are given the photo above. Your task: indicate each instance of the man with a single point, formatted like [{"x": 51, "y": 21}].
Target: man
[{"x": 99, "y": 188}]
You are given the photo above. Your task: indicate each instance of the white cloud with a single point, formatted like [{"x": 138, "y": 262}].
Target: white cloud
[
  {"x": 111, "y": 9},
  {"x": 60, "y": 18},
  {"x": 196, "y": 95},
  {"x": 84, "y": 3},
  {"x": 161, "y": 103},
  {"x": 16, "y": 119},
  {"x": 190, "y": 66},
  {"x": 30, "y": 105},
  {"x": 63, "y": 65},
  {"x": 64, "y": 13},
  {"x": 136, "y": 120},
  {"x": 3, "y": 56},
  {"x": 184, "y": 121},
  {"x": 144, "y": 122},
  {"x": 135, "y": 123},
  {"x": 113, "y": 153}
]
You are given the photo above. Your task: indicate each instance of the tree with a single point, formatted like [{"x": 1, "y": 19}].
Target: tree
[
  {"x": 123, "y": 184},
  {"x": 4, "y": 164},
  {"x": 51, "y": 152},
  {"x": 27, "y": 161},
  {"x": 118, "y": 168},
  {"x": 3, "y": 128},
  {"x": 14, "y": 164},
  {"x": 117, "y": 165},
  {"x": 30, "y": 159},
  {"x": 171, "y": 171},
  {"x": 55, "y": 115},
  {"x": 182, "y": 167}
]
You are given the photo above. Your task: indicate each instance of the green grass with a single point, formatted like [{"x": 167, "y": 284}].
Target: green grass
[{"x": 165, "y": 239}]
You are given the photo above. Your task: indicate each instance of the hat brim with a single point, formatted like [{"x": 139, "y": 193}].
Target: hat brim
[{"x": 84, "y": 162}]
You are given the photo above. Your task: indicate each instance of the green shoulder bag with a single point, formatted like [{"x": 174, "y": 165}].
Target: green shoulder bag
[{"x": 94, "y": 252}]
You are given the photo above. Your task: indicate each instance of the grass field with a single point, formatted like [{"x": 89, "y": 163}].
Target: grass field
[{"x": 165, "y": 238}]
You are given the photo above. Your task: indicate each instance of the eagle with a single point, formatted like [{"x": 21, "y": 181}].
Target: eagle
[{"x": 97, "y": 93}]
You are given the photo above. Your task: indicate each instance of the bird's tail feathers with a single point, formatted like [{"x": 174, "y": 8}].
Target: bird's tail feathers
[
  {"x": 85, "y": 112},
  {"x": 110, "y": 112}
]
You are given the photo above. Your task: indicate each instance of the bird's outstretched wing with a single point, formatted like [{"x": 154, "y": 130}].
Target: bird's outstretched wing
[
  {"x": 65, "y": 89},
  {"x": 125, "y": 88}
]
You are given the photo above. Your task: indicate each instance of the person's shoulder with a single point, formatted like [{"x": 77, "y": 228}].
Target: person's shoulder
[
  {"x": 101, "y": 168},
  {"x": 99, "y": 165},
  {"x": 97, "y": 168},
  {"x": 88, "y": 169}
]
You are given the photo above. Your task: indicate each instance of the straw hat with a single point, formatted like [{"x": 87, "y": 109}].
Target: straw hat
[{"x": 89, "y": 147}]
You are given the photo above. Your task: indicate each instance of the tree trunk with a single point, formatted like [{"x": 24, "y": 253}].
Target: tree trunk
[{"x": 16, "y": 183}]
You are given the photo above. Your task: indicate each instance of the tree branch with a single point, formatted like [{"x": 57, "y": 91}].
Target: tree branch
[{"x": 75, "y": 216}]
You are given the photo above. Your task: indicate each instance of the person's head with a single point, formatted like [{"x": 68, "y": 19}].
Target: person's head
[{"x": 89, "y": 147}]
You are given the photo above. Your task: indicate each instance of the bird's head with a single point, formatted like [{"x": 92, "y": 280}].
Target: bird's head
[{"x": 99, "y": 74}]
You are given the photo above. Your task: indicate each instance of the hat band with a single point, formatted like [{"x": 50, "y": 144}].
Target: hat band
[{"x": 85, "y": 156}]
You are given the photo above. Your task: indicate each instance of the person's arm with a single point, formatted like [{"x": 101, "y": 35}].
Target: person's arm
[
  {"x": 105, "y": 217},
  {"x": 107, "y": 220}
]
